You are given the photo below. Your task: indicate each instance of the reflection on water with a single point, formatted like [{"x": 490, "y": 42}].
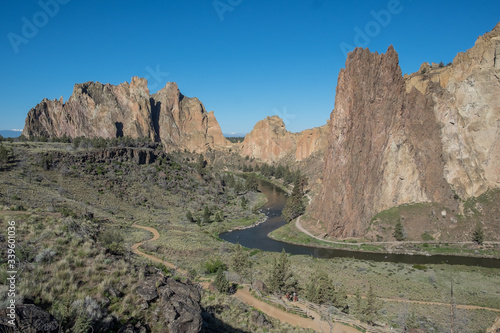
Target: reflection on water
[{"x": 256, "y": 238}]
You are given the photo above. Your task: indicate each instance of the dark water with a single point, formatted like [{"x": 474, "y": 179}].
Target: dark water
[{"x": 256, "y": 238}]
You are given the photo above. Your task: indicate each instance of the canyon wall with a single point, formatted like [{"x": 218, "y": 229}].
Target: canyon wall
[
  {"x": 433, "y": 136},
  {"x": 269, "y": 141},
  {"x": 109, "y": 111}
]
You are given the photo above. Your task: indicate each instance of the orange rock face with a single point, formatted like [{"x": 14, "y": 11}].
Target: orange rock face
[
  {"x": 429, "y": 137},
  {"x": 269, "y": 141},
  {"x": 97, "y": 110}
]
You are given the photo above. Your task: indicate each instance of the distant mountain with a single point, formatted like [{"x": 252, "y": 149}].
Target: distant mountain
[
  {"x": 234, "y": 135},
  {"x": 10, "y": 133}
]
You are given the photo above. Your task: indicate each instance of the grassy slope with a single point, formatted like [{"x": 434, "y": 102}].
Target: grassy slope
[{"x": 189, "y": 245}]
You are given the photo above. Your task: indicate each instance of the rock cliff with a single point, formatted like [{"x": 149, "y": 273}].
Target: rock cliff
[
  {"x": 433, "y": 136},
  {"x": 108, "y": 111},
  {"x": 269, "y": 141}
]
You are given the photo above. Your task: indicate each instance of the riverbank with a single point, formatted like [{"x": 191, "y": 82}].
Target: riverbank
[
  {"x": 292, "y": 233},
  {"x": 422, "y": 288}
]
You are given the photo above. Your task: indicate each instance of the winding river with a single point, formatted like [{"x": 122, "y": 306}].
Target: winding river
[{"x": 256, "y": 238}]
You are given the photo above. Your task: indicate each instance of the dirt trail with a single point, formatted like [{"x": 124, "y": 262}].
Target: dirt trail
[
  {"x": 307, "y": 232},
  {"x": 156, "y": 235},
  {"x": 246, "y": 297},
  {"x": 458, "y": 306}
]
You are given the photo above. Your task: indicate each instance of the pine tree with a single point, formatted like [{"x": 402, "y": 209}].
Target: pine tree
[
  {"x": 359, "y": 302},
  {"x": 399, "y": 231},
  {"x": 206, "y": 215},
  {"x": 219, "y": 217},
  {"x": 240, "y": 260},
  {"x": 294, "y": 206},
  {"x": 4, "y": 155},
  {"x": 341, "y": 299},
  {"x": 251, "y": 183},
  {"x": 320, "y": 288},
  {"x": 370, "y": 311},
  {"x": 220, "y": 282},
  {"x": 201, "y": 164},
  {"x": 189, "y": 216},
  {"x": 280, "y": 279},
  {"x": 478, "y": 235}
]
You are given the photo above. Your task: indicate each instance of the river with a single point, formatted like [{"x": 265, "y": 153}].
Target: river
[{"x": 256, "y": 238}]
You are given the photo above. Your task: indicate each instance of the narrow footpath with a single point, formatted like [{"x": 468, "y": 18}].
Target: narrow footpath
[{"x": 246, "y": 297}]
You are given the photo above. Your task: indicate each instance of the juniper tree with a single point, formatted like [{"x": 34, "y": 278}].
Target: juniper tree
[
  {"x": 281, "y": 279},
  {"x": 370, "y": 310},
  {"x": 219, "y": 217},
  {"x": 399, "y": 231},
  {"x": 240, "y": 260},
  {"x": 220, "y": 282},
  {"x": 4, "y": 155},
  {"x": 478, "y": 235},
  {"x": 359, "y": 301},
  {"x": 251, "y": 183},
  {"x": 294, "y": 206},
  {"x": 206, "y": 215}
]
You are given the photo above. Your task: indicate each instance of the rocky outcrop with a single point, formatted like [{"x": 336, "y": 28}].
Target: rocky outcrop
[
  {"x": 138, "y": 155},
  {"x": 177, "y": 302},
  {"x": 184, "y": 122},
  {"x": 179, "y": 307},
  {"x": 108, "y": 111},
  {"x": 29, "y": 318},
  {"x": 395, "y": 140},
  {"x": 269, "y": 141},
  {"x": 466, "y": 97},
  {"x": 310, "y": 141}
]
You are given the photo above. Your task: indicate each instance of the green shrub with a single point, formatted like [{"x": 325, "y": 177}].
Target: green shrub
[
  {"x": 420, "y": 267},
  {"x": 212, "y": 266},
  {"x": 426, "y": 237},
  {"x": 112, "y": 240}
]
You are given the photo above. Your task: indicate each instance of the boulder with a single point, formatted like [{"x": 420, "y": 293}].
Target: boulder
[
  {"x": 29, "y": 318},
  {"x": 147, "y": 288},
  {"x": 259, "y": 319},
  {"x": 179, "y": 307},
  {"x": 260, "y": 286}
]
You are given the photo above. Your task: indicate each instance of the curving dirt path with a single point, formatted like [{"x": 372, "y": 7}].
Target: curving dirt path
[
  {"x": 458, "y": 306},
  {"x": 156, "y": 235},
  {"x": 316, "y": 323},
  {"x": 307, "y": 232},
  {"x": 246, "y": 297}
]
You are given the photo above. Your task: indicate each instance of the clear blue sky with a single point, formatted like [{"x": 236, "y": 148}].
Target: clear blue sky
[{"x": 245, "y": 59}]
